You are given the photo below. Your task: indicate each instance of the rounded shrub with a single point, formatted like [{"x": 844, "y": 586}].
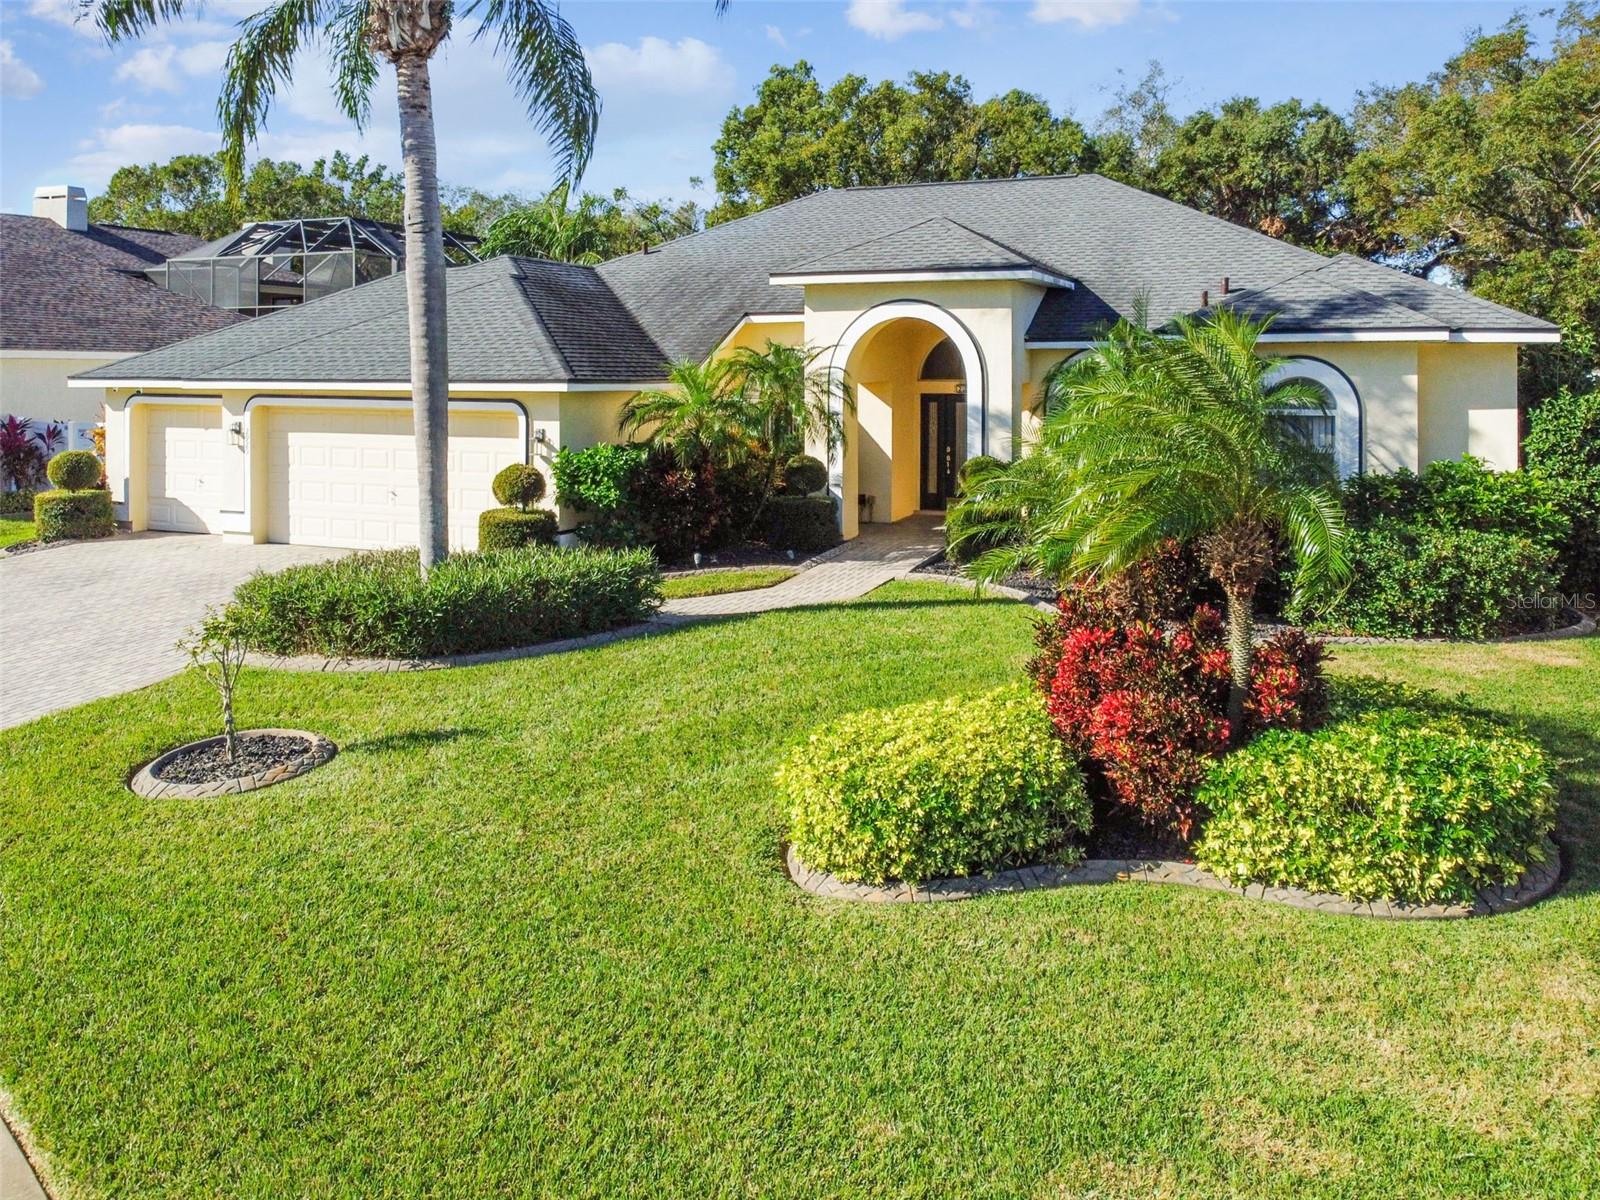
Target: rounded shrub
[
  {"x": 74, "y": 470},
  {"x": 942, "y": 787},
  {"x": 60, "y": 515},
  {"x": 521, "y": 485},
  {"x": 1416, "y": 804},
  {"x": 976, "y": 468},
  {"x": 509, "y": 528},
  {"x": 803, "y": 475},
  {"x": 804, "y": 523}
]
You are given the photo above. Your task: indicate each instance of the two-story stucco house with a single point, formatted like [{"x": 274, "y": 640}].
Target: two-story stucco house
[{"x": 945, "y": 305}]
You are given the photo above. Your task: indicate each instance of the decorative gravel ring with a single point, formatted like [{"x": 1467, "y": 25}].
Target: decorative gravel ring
[
  {"x": 1537, "y": 882},
  {"x": 148, "y": 782}
]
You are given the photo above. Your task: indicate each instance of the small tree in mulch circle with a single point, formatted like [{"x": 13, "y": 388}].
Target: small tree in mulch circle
[{"x": 216, "y": 648}]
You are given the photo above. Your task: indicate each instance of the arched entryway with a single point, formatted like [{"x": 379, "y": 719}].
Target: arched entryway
[{"x": 917, "y": 377}]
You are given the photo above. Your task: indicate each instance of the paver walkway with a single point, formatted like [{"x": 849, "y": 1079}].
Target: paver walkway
[
  {"x": 93, "y": 619},
  {"x": 880, "y": 554}
]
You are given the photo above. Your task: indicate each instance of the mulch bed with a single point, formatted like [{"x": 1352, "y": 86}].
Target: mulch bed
[
  {"x": 258, "y": 752},
  {"x": 1023, "y": 581},
  {"x": 752, "y": 555}
]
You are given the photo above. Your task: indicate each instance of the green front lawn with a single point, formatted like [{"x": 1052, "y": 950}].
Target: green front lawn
[
  {"x": 714, "y": 583},
  {"x": 529, "y": 935},
  {"x": 14, "y": 530}
]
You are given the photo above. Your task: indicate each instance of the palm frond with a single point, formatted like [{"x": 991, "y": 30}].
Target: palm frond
[
  {"x": 123, "y": 20},
  {"x": 355, "y": 67},
  {"x": 261, "y": 60},
  {"x": 546, "y": 64}
]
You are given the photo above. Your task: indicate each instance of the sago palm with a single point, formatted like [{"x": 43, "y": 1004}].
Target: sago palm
[
  {"x": 545, "y": 64},
  {"x": 700, "y": 415},
  {"x": 1149, "y": 437},
  {"x": 790, "y": 404}
]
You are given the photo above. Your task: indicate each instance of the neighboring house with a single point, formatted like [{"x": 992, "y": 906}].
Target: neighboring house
[
  {"x": 945, "y": 304},
  {"x": 75, "y": 296}
]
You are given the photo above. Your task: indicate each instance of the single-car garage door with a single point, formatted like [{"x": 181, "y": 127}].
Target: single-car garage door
[
  {"x": 348, "y": 477},
  {"x": 185, "y": 467}
]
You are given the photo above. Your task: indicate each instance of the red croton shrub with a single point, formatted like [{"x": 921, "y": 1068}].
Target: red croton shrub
[{"x": 1145, "y": 705}]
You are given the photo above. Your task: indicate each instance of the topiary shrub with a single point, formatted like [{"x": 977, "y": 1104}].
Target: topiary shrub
[
  {"x": 521, "y": 485},
  {"x": 60, "y": 515},
  {"x": 509, "y": 528},
  {"x": 377, "y": 604},
  {"x": 804, "y": 523},
  {"x": 1417, "y": 581},
  {"x": 944, "y": 787},
  {"x": 804, "y": 475},
  {"x": 74, "y": 470},
  {"x": 1388, "y": 802},
  {"x": 1563, "y": 449}
]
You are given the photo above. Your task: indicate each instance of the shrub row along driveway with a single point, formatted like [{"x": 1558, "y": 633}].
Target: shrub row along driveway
[{"x": 92, "y": 619}]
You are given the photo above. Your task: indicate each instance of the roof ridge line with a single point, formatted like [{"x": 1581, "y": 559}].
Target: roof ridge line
[
  {"x": 544, "y": 325},
  {"x": 878, "y": 237},
  {"x": 1009, "y": 249}
]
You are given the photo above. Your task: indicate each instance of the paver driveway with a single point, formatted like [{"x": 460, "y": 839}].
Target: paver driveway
[{"x": 97, "y": 618}]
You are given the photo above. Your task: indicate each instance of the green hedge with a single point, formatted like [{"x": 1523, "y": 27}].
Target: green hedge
[
  {"x": 1563, "y": 449},
  {"x": 60, "y": 515},
  {"x": 804, "y": 523},
  {"x": 804, "y": 475},
  {"x": 596, "y": 477},
  {"x": 1399, "y": 803},
  {"x": 1417, "y": 581},
  {"x": 377, "y": 604},
  {"x": 520, "y": 485},
  {"x": 14, "y": 504},
  {"x": 509, "y": 528},
  {"x": 943, "y": 787}
]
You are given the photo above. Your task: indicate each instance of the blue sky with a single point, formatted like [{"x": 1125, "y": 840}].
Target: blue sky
[{"x": 72, "y": 110}]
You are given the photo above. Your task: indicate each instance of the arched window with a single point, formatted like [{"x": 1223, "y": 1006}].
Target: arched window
[
  {"x": 943, "y": 362},
  {"x": 1336, "y": 429}
]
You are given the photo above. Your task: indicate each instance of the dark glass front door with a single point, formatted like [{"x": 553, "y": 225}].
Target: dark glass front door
[{"x": 943, "y": 432}]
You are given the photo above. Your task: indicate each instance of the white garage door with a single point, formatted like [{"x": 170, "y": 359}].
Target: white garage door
[
  {"x": 348, "y": 477},
  {"x": 187, "y": 455}
]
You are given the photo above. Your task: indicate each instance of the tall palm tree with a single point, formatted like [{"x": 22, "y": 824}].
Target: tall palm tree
[
  {"x": 700, "y": 415},
  {"x": 546, "y": 66},
  {"x": 1149, "y": 437}
]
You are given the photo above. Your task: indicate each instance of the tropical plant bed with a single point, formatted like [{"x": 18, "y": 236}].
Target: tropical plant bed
[
  {"x": 262, "y": 757},
  {"x": 1022, "y": 581},
  {"x": 1537, "y": 883}
]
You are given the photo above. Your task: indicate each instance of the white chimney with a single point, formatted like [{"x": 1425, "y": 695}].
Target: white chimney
[{"x": 67, "y": 206}]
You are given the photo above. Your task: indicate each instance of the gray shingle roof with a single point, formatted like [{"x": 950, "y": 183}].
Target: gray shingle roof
[
  {"x": 63, "y": 290},
  {"x": 521, "y": 320},
  {"x": 511, "y": 320},
  {"x": 937, "y": 244}
]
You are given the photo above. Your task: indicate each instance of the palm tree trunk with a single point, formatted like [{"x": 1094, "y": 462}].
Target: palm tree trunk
[
  {"x": 1241, "y": 625},
  {"x": 425, "y": 302}
]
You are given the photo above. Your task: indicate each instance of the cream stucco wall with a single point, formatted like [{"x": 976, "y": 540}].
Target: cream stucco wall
[
  {"x": 1467, "y": 403},
  {"x": 34, "y": 385},
  {"x": 755, "y": 335},
  {"x": 553, "y": 419}
]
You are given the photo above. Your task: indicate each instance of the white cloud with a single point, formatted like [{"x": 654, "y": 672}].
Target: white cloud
[
  {"x": 685, "y": 67},
  {"x": 776, "y": 35},
  {"x": 889, "y": 19},
  {"x": 151, "y": 67},
  {"x": 167, "y": 67},
  {"x": 202, "y": 59},
  {"x": 62, "y": 12},
  {"x": 18, "y": 81},
  {"x": 1090, "y": 14},
  {"x": 121, "y": 145}
]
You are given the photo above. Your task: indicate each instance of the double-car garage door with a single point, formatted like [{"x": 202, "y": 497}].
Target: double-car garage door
[{"x": 333, "y": 476}]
